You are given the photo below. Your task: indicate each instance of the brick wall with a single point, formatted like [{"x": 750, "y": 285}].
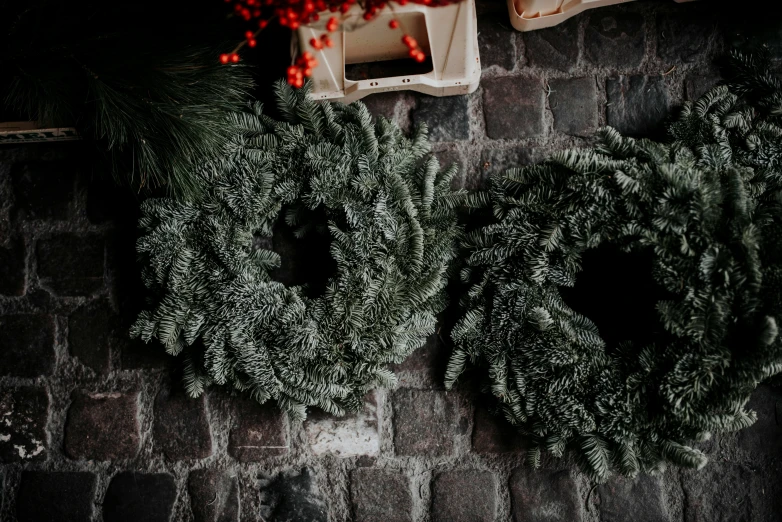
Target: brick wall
[{"x": 94, "y": 426}]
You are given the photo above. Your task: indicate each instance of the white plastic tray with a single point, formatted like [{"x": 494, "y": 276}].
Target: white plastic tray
[
  {"x": 528, "y": 15},
  {"x": 446, "y": 34}
]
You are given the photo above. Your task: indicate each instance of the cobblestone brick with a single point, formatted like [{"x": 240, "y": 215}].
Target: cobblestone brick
[
  {"x": 350, "y": 435},
  {"x": 495, "y": 42},
  {"x": 380, "y": 495},
  {"x": 44, "y": 190},
  {"x": 181, "y": 428},
  {"x": 102, "y": 426},
  {"x": 765, "y": 436},
  {"x": 449, "y": 157},
  {"x": 639, "y": 500},
  {"x": 292, "y": 496},
  {"x": 717, "y": 493},
  {"x": 133, "y": 497},
  {"x": 697, "y": 84},
  {"x": 89, "y": 331},
  {"x": 23, "y": 415},
  {"x": 637, "y": 105},
  {"x": 12, "y": 267},
  {"x": 27, "y": 345},
  {"x": 464, "y": 496},
  {"x": 513, "y": 107},
  {"x": 383, "y": 103},
  {"x": 544, "y": 496},
  {"x": 494, "y": 162},
  {"x": 554, "y": 47},
  {"x": 493, "y": 434},
  {"x": 446, "y": 117},
  {"x": 425, "y": 422},
  {"x": 214, "y": 495},
  {"x": 138, "y": 355},
  {"x": 615, "y": 38},
  {"x": 258, "y": 431},
  {"x": 70, "y": 264},
  {"x": 427, "y": 362},
  {"x": 573, "y": 102},
  {"x": 684, "y": 34},
  {"x": 55, "y": 496}
]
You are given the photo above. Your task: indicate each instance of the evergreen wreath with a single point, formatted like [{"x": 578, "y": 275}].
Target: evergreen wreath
[
  {"x": 707, "y": 208},
  {"x": 389, "y": 214}
]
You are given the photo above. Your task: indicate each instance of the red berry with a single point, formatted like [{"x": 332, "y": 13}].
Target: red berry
[
  {"x": 314, "y": 42},
  {"x": 224, "y": 58},
  {"x": 307, "y": 72},
  {"x": 367, "y": 16},
  {"x": 315, "y": 17},
  {"x": 234, "y": 57},
  {"x": 263, "y": 23},
  {"x": 328, "y": 42},
  {"x": 248, "y": 34},
  {"x": 294, "y": 25},
  {"x": 292, "y": 70},
  {"x": 251, "y": 42},
  {"x": 419, "y": 57},
  {"x": 393, "y": 24}
]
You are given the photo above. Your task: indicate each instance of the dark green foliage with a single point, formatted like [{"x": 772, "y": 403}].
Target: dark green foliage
[
  {"x": 390, "y": 217},
  {"x": 706, "y": 207},
  {"x": 152, "y": 99}
]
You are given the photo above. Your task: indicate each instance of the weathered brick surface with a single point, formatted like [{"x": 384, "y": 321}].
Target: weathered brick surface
[
  {"x": 464, "y": 496},
  {"x": 698, "y": 83},
  {"x": 496, "y": 44},
  {"x": 89, "y": 333},
  {"x": 292, "y": 496},
  {"x": 493, "y": 434},
  {"x": 27, "y": 345},
  {"x": 12, "y": 267},
  {"x": 513, "y": 107},
  {"x": 258, "y": 431},
  {"x": 45, "y": 496},
  {"x": 102, "y": 426},
  {"x": 349, "y": 435},
  {"x": 573, "y": 102},
  {"x": 71, "y": 264},
  {"x": 615, "y": 38},
  {"x": 764, "y": 438},
  {"x": 640, "y": 500},
  {"x": 214, "y": 495},
  {"x": 138, "y": 355},
  {"x": 181, "y": 428},
  {"x": 446, "y": 118},
  {"x": 637, "y": 105},
  {"x": 132, "y": 497},
  {"x": 545, "y": 496},
  {"x": 554, "y": 47},
  {"x": 683, "y": 35},
  {"x": 23, "y": 416},
  {"x": 426, "y": 363},
  {"x": 44, "y": 190},
  {"x": 425, "y": 422},
  {"x": 720, "y": 492},
  {"x": 383, "y": 103},
  {"x": 380, "y": 495}
]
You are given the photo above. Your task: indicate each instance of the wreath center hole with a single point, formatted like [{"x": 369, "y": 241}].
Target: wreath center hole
[
  {"x": 305, "y": 261},
  {"x": 617, "y": 292}
]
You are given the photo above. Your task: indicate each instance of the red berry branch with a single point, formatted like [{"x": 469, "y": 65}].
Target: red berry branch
[{"x": 295, "y": 13}]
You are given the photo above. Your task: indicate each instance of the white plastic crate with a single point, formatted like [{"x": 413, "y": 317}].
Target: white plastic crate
[
  {"x": 447, "y": 35},
  {"x": 528, "y": 15}
]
